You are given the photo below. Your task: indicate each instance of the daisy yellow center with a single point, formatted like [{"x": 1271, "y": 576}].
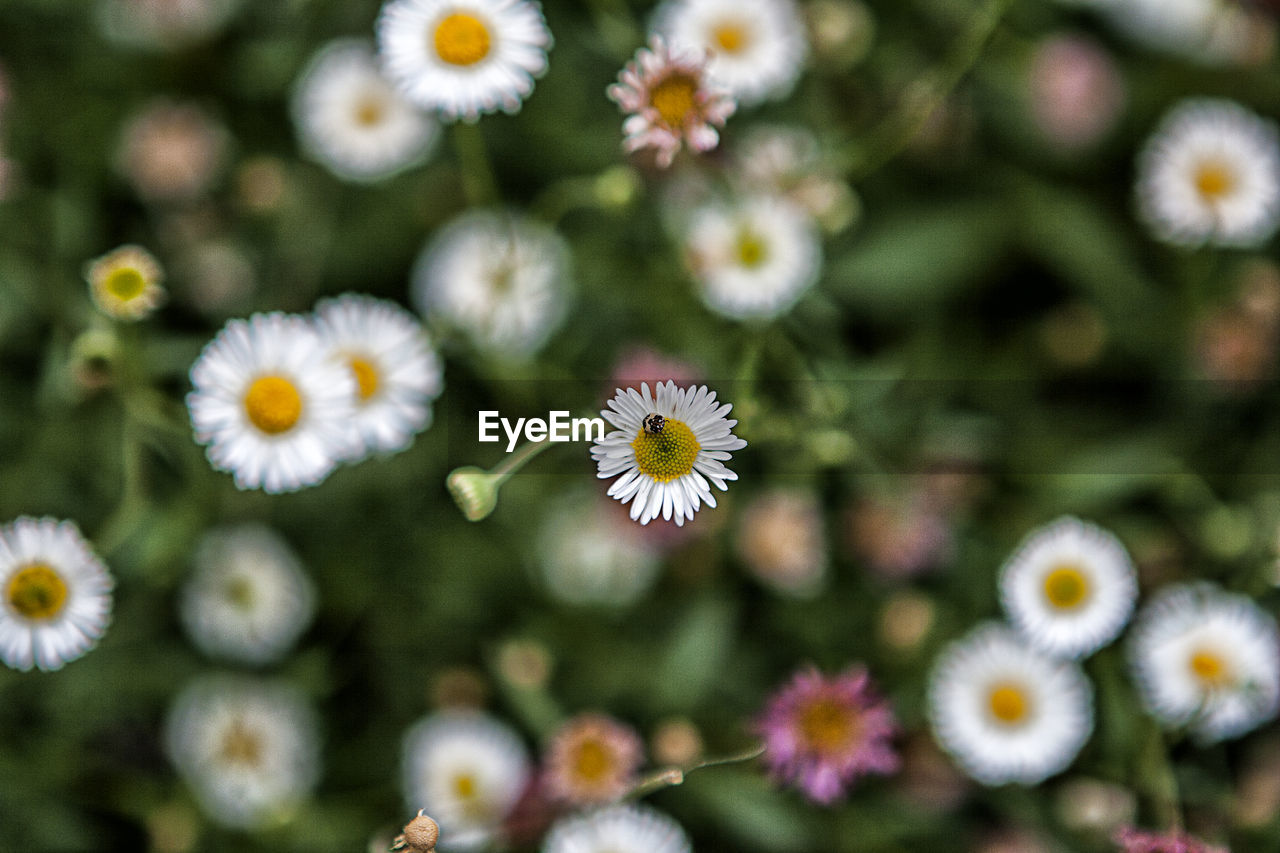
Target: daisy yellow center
[
  {"x": 1066, "y": 587},
  {"x": 1009, "y": 704},
  {"x": 1214, "y": 181},
  {"x": 751, "y": 249},
  {"x": 370, "y": 111},
  {"x": 592, "y": 761},
  {"x": 36, "y": 592},
  {"x": 674, "y": 99},
  {"x": 667, "y": 455},
  {"x": 1210, "y": 668},
  {"x": 239, "y": 591},
  {"x": 273, "y": 404},
  {"x": 125, "y": 283},
  {"x": 241, "y": 746},
  {"x": 826, "y": 725},
  {"x": 729, "y": 36},
  {"x": 464, "y": 786},
  {"x": 366, "y": 377},
  {"x": 462, "y": 39}
]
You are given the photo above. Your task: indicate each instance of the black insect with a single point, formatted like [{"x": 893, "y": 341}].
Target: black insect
[{"x": 653, "y": 423}]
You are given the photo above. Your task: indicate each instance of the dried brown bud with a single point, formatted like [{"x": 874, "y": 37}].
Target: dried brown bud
[{"x": 420, "y": 835}]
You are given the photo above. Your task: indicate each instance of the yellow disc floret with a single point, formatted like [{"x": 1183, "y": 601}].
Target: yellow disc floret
[
  {"x": 462, "y": 39},
  {"x": 827, "y": 725},
  {"x": 729, "y": 37},
  {"x": 273, "y": 404},
  {"x": 241, "y": 746},
  {"x": 592, "y": 761},
  {"x": 1214, "y": 181},
  {"x": 370, "y": 111},
  {"x": 125, "y": 283},
  {"x": 36, "y": 592},
  {"x": 667, "y": 455},
  {"x": 752, "y": 250},
  {"x": 674, "y": 99},
  {"x": 366, "y": 377},
  {"x": 1210, "y": 668},
  {"x": 1066, "y": 587},
  {"x": 1009, "y": 704}
]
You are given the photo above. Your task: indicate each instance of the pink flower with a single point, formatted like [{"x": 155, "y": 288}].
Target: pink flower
[
  {"x": 593, "y": 759},
  {"x": 1077, "y": 92},
  {"x": 670, "y": 102},
  {"x": 821, "y": 734},
  {"x": 1136, "y": 841}
]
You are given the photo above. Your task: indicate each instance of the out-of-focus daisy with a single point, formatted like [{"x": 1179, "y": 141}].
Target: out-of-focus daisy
[
  {"x": 618, "y": 829},
  {"x": 781, "y": 541},
  {"x": 249, "y": 750},
  {"x": 1076, "y": 91},
  {"x": 466, "y": 770},
  {"x": 1006, "y": 712},
  {"x": 1211, "y": 174},
  {"x": 667, "y": 448},
  {"x": 1069, "y": 588},
  {"x": 464, "y": 57},
  {"x": 248, "y": 599},
  {"x": 57, "y": 594},
  {"x": 757, "y": 47},
  {"x": 172, "y": 152},
  {"x": 587, "y": 556},
  {"x": 397, "y": 372},
  {"x": 1213, "y": 32},
  {"x": 351, "y": 120},
  {"x": 821, "y": 734},
  {"x": 125, "y": 283},
  {"x": 500, "y": 278},
  {"x": 1206, "y": 659},
  {"x": 787, "y": 162},
  {"x": 592, "y": 758},
  {"x": 901, "y": 535},
  {"x": 669, "y": 102},
  {"x": 752, "y": 259},
  {"x": 164, "y": 24},
  {"x": 271, "y": 405}
]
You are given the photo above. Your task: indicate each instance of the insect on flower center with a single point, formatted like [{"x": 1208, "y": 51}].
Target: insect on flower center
[
  {"x": 1066, "y": 587},
  {"x": 592, "y": 761},
  {"x": 751, "y": 249},
  {"x": 370, "y": 111},
  {"x": 273, "y": 404},
  {"x": 241, "y": 746},
  {"x": 667, "y": 455},
  {"x": 36, "y": 592},
  {"x": 827, "y": 725},
  {"x": 729, "y": 36},
  {"x": 462, "y": 39},
  {"x": 674, "y": 98},
  {"x": 1210, "y": 668},
  {"x": 1214, "y": 181},
  {"x": 366, "y": 377},
  {"x": 125, "y": 283},
  {"x": 1009, "y": 704}
]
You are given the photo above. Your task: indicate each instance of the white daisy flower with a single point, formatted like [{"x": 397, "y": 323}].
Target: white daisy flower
[
  {"x": 1211, "y": 174},
  {"x": 752, "y": 259},
  {"x": 757, "y": 48},
  {"x": 352, "y": 121},
  {"x": 500, "y": 278},
  {"x": 125, "y": 283},
  {"x": 464, "y": 57},
  {"x": 1006, "y": 712},
  {"x": 249, "y": 750},
  {"x": 272, "y": 407},
  {"x": 248, "y": 599},
  {"x": 666, "y": 448},
  {"x": 1213, "y": 32},
  {"x": 57, "y": 594},
  {"x": 466, "y": 770},
  {"x": 1069, "y": 588},
  {"x": 589, "y": 554},
  {"x": 1206, "y": 659},
  {"x": 617, "y": 829},
  {"x": 397, "y": 372}
]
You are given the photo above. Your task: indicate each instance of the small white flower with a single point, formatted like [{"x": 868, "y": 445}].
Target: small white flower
[
  {"x": 351, "y": 120},
  {"x": 466, "y": 770},
  {"x": 1212, "y": 32},
  {"x": 753, "y": 259},
  {"x": 1206, "y": 659},
  {"x": 272, "y": 407},
  {"x": 464, "y": 57},
  {"x": 781, "y": 541},
  {"x": 617, "y": 829},
  {"x": 397, "y": 372},
  {"x": 57, "y": 594},
  {"x": 1069, "y": 588},
  {"x": 757, "y": 48},
  {"x": 248, "y": 599},
  {"x": 248, "y": 750},
  {"x": 125, "y": 283},
  {"x": 666, "y": 472},
  {"x": 500, "y": 278},
  {"x": 589, "y": 556},
  {"x": 1211, "y": 174},
  {"x": 1006, "y": 712}
]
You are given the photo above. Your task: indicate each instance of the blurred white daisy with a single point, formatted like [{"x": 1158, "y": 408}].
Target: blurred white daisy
[
  {"x": 57, "y": 594},
  {"x": 757, "y": 48},
  {"x": 668, "y": 448},
  {"x": 163, "y": 24},
  {"x": 781, "y": 541},
  {"x": 397, "y": 372},
  {"x": 588, "y": 555},
  {"x": 1212, "y": 32},
  {"x": 1211, "y": 174},
  {"x": 1006, "y": 712},
  {"x": 248, "y": 599},
  {"x": 1069, "y": 588},
  {"x": 1206, "y": 659},
  {"x": 464, "y": 57},
  {"x": 787, "y": 162},
  {"x": 248, "y": 750},
  {"x": 466, "y": 770},
  {"x": 270, "y": 404},
  {"x": 352, "y": 121},
  {"x": 752, "y": 259},
  {"x": 125, "y": 283},
  {"x": 500, "y": 278},
  {"x": 617, "y": 829}
]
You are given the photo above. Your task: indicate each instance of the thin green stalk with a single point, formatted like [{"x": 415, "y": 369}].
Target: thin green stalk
[{"x": 473, "y": 162}]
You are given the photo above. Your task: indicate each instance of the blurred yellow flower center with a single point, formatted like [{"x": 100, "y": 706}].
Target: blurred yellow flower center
[
  {"x": 729, "y": 36},
  {"x": 462, "y": 39},
  {"x": 464, "y": 786},
  {"x": 239, "y": 591},
  {"x": 366, "y": 377},
  {"x": 37, "y": 592},
  {"x": 673, "y": 98},
  {"x": 592, "y": 761},
  {"x": 273, "y": 404},
  {"x": 667, "y": 455},
  {"x": 1066, "y": 587},
  {"x": 752, "y": 250},
  {"x": 1214, "y": 180},
  {"x": 1210, "y": 668},
  {"x": 370, "y": 111},
  {"x": 1008, "y": 704},
  {"x": 827, "y": 725},
  {"x": 241, "y": 745},
  {"x": 125, "y": 283}
]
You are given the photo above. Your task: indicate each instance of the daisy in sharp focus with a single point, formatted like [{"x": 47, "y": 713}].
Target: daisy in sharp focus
[
  {"x": 1069, "y": 588},
  {"x": 1211, "y": 174},
  {"x": 125, "y": 283},
  {"x": 397, "y": 372},
  {"x": 1206, "y": 659},
  {"x": 270, "y": 404},
  {"x": 618, "y": 829},
  {"x": 464, "y": 57},
  {"x": 667, "y": 449},
  {"x": 57, "y": 594},
  {"x": 593, "y": 758},
  {"x": 1006, "y": 712},
  {"x": 354, "y": 122}
]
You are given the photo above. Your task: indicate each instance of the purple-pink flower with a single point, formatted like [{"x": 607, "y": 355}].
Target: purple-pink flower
[
  {"x": 821, "y": 734},
  {"x": 1175, "y": 841}
]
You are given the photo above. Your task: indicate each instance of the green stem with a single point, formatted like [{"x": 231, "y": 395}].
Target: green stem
[
  {"x": 473, "y": 162},
  {"x": 669, "y": 777},
  {"x": 515, "y": 461},
  {"x": 1157, "y": 771}
]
